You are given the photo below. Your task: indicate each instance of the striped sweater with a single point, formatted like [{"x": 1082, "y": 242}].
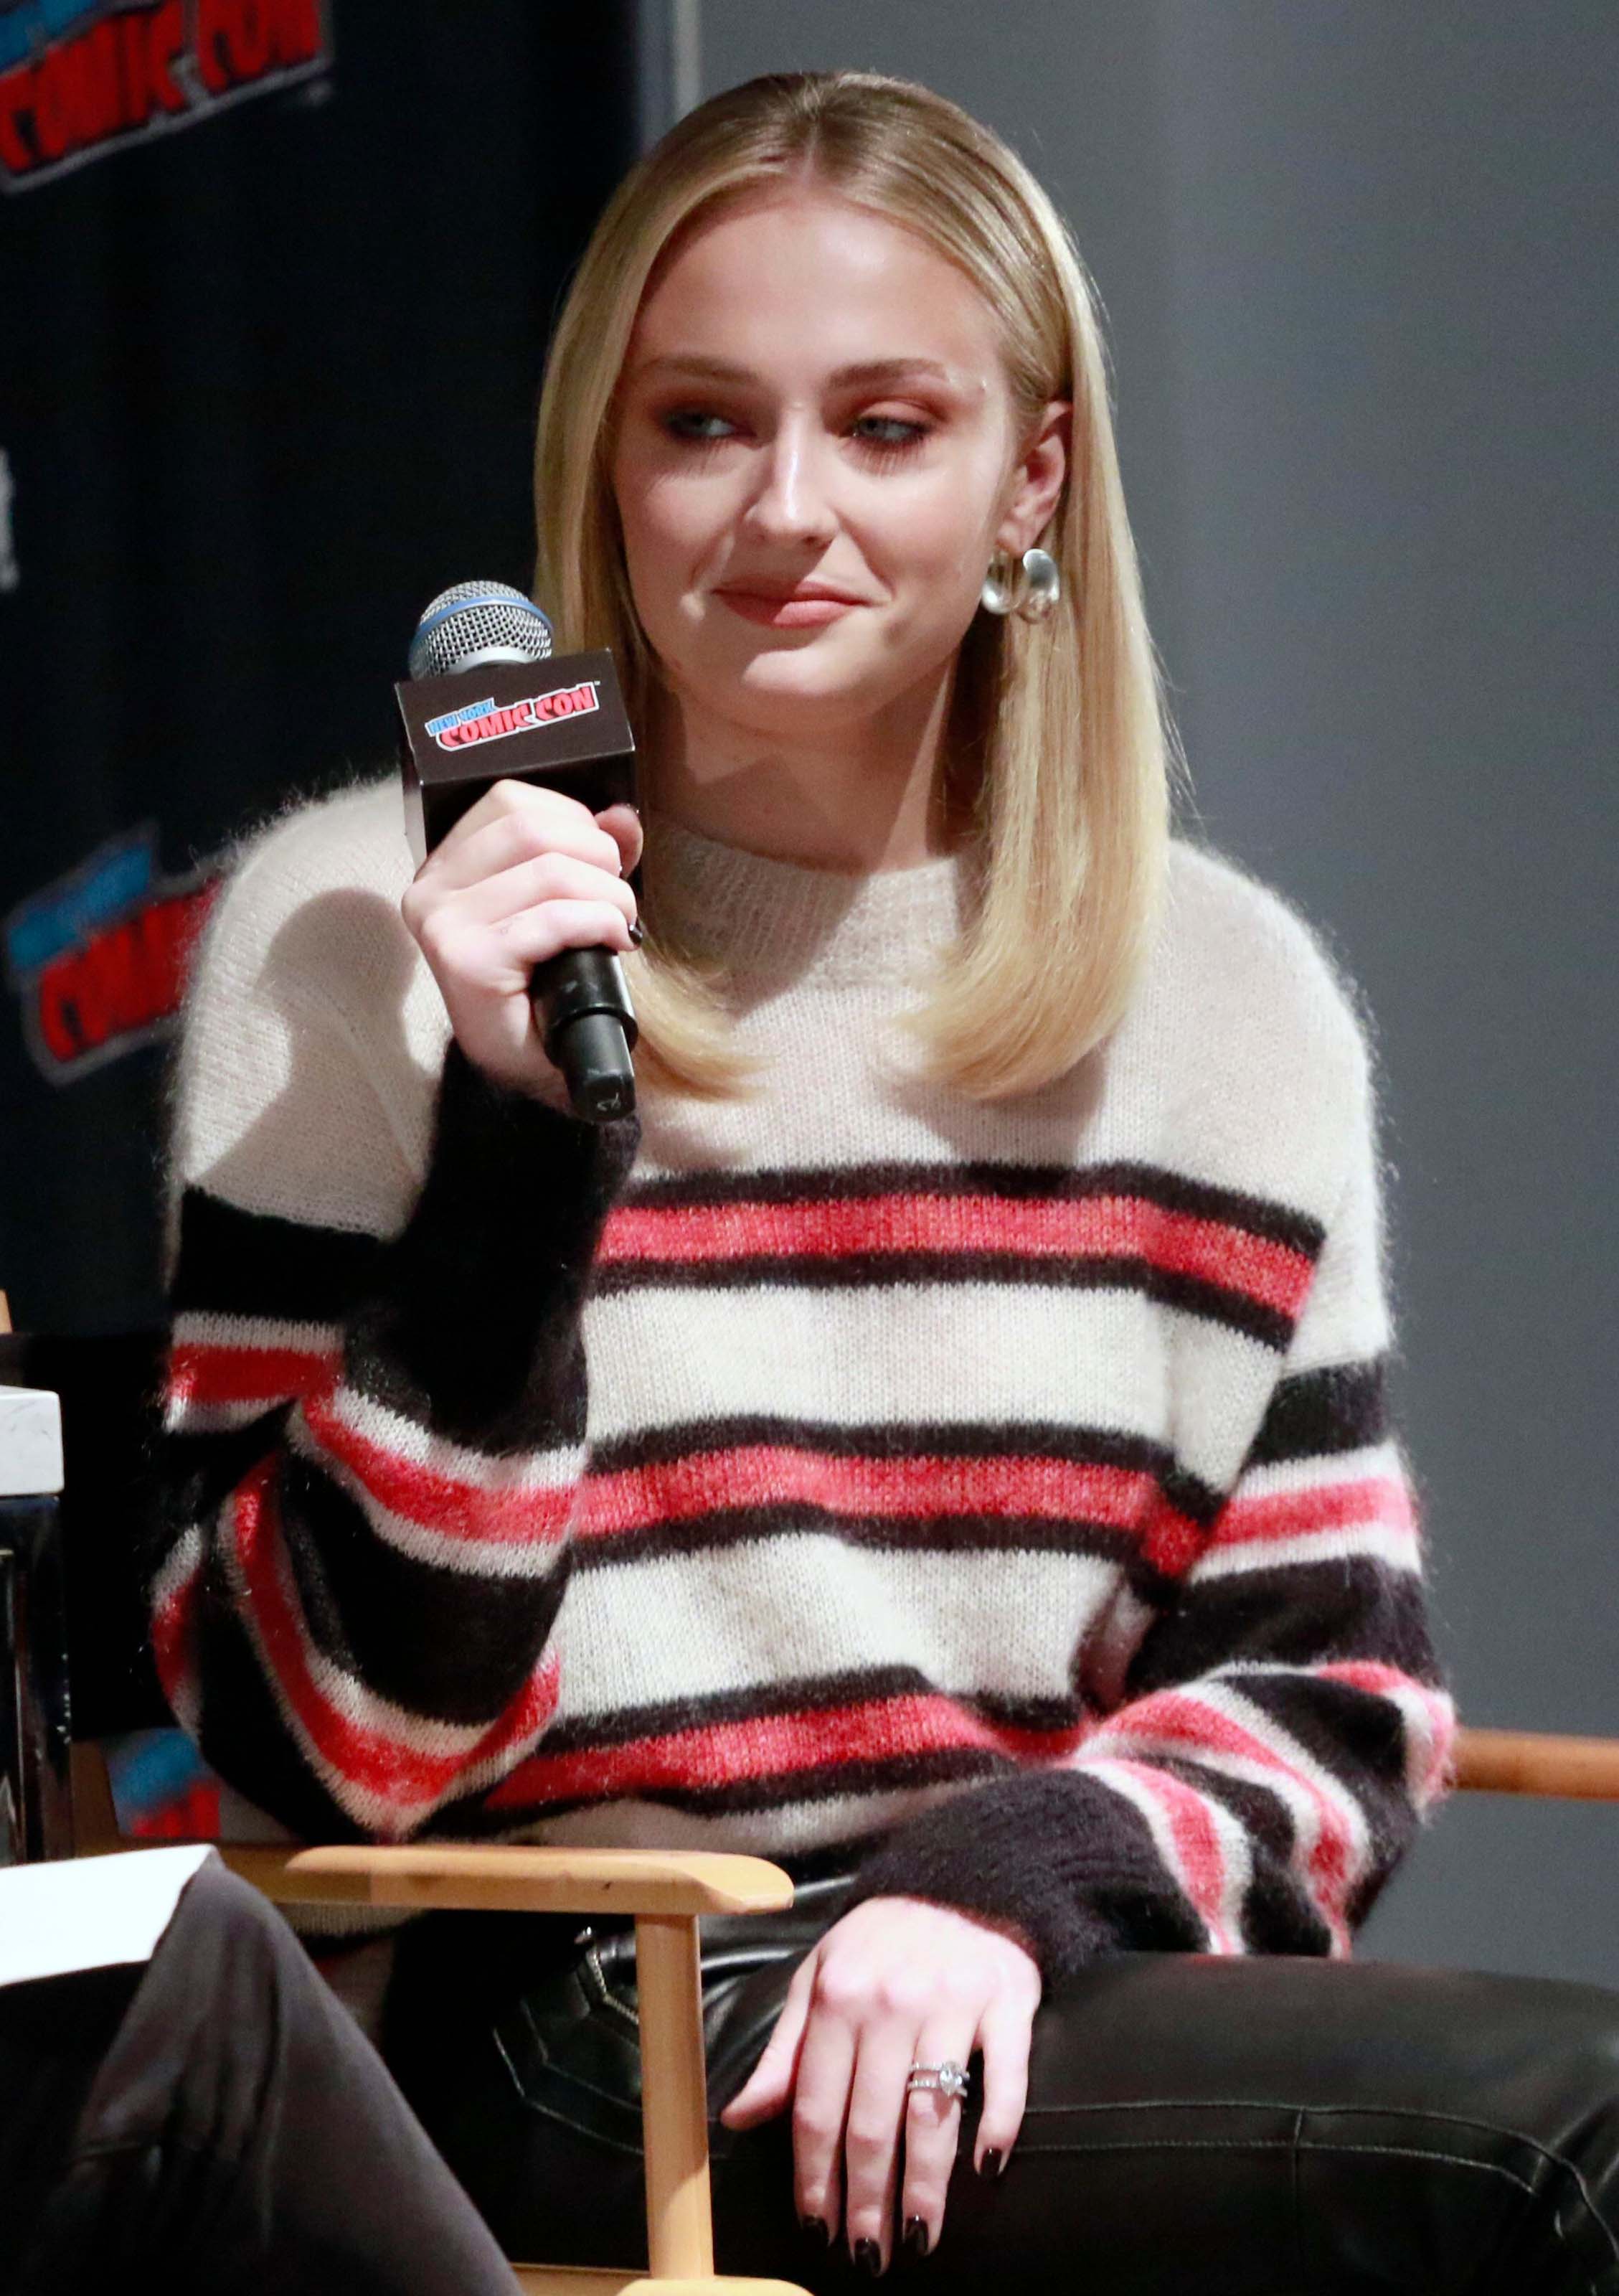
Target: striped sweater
[{"x": 1008, "y": 1491}]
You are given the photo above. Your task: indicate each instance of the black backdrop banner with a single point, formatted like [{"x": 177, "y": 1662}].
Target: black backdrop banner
[{"x": 277, "y": 279}]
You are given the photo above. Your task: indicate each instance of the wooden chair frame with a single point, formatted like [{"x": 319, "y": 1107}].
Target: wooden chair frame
[{"x": 666, "y": 1892}]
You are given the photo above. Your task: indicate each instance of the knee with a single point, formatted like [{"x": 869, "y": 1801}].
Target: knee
[{"x": 230, "y": 1953}]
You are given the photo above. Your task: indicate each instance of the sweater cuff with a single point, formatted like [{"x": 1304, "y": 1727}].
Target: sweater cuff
[
  {"x": 497, "y": 1151},
  {"x": 1055, "y": 1854}
]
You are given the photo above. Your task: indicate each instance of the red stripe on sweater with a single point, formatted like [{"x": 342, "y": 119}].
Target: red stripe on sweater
[
  {"x": 1168, "y": 1718},
  {"x": 1372, "y": 1674},
  {"x": 443, "y": 1503},
  {"x": 773, "y": 1745},
  {"x": 919, "y": 1484},
  {"x": 200, "y": 1373},
  {"x": 1199, "y": 1857},
  {"x": 1084, "y": 1228},
  {"x": 378, "y": 1762},
  {"x": 1324, "y": 1506}
]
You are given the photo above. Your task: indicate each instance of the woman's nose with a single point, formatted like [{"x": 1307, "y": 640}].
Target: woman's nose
[{"x": 790, "y": 502}]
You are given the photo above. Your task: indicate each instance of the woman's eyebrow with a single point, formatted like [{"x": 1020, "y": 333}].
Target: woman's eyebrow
[{"x": 864, "y": 371}]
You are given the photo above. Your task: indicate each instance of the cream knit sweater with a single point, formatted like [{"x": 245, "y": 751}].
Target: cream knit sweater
[{"x": 1006, "y": 1490}]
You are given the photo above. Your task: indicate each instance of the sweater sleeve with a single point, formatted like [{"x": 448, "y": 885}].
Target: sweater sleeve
[
  {"x": 373, "y": 1431},
  {"x": 1281, "y": 1728}
]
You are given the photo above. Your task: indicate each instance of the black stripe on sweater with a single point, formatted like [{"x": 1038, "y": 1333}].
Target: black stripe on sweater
[
  {"x": 1340, "y": 1407},
  {"x": 935, "y": 1534},
  {"x": 446, "y": 1643},
  {"x": 233, "y": 1262},
  {"x": 1294, "y": 1614},
  {"x": 1154, "y": 1184}
]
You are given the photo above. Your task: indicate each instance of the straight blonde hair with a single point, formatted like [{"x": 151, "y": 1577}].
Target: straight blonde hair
[{"x": 1061, "y": 743}]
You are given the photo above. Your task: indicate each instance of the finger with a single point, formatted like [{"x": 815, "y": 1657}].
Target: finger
[
  {"x": 548, "y": 877},
  {"x": 871, "y": 2139},
  {"x": 770, "y": 2084},
  {"x": 820, "y": 2104},
  {"x": 1003, "y": 2034},
  {"x": 501, "y": 957},
  {"x": 513, "y": 822},
  {"x": 933, "y": 2130},
  {"x": 623, "y": 824}
]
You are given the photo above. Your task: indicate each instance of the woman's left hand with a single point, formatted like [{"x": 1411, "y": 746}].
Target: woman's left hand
[{"x": 897, "y": 1981}]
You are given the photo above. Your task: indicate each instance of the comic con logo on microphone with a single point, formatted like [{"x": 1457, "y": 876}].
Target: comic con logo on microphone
[
  {"x": 98, "y": 958},
  {"x": 79, "y": 81},
  {"x": 491, "y": 721}
]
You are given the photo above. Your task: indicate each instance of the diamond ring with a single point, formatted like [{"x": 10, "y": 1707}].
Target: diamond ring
[{"x": 950, "y": 2078}]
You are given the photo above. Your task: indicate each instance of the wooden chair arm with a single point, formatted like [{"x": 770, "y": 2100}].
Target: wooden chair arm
[
  {"x": 512, "y": 1877},
  {"x": 666, "y": 1891},
  {"x": 1537, "y": 1762}
]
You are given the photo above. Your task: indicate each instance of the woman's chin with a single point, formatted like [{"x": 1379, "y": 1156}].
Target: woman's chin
[{"x": 814, "y": 678}]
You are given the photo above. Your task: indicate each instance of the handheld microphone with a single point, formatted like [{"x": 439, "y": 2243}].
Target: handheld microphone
[{"x": 485, "y": 700}]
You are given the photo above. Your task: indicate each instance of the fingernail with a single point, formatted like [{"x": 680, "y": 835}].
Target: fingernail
[
  {"x": 636, "y": 934},
  {"x": 867, "y": 2255},
  {"x": 990, "y": 2165},
  {"x": 916, "y": 2235},
  {"x": 817, "y": 2228}
]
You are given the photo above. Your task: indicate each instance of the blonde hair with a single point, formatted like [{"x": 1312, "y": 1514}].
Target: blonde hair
[{"x": 1062, "y": 725}]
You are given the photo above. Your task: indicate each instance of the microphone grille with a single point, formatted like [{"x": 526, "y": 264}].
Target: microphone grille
[{"x": 476, "y": 619}]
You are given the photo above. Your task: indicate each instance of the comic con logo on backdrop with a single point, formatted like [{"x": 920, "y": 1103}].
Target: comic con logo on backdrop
[
  {"x": 98, "y": 959},
  {"x": 79, "y": 81}
]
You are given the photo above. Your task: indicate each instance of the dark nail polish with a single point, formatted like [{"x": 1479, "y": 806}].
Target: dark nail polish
[
  {"x": 816, "y": 2229},
  {"x": 916, "y": 2235},
  {"x": 636, "y": 934},
  {"x": 990, "y": 2165},
  {"x": 868, "y": 2257}
]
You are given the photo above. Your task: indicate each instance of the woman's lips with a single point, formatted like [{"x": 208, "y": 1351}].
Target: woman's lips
[{"x": 785, "y": 613}]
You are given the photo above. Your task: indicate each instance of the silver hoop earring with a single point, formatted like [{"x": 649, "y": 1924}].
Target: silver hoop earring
[
  {"x": 998, "y": 596},
  {"x": 1042, "y": 586},
  {"x": 1033, "y": 595}
]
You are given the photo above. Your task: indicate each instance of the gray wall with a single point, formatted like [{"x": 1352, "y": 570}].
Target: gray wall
[{"x": 1361, "y": 266}]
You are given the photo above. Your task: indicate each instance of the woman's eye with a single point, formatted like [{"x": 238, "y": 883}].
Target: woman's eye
[
  {"x": 889, "y": 434},
  {"x": 692, "y": 423}
]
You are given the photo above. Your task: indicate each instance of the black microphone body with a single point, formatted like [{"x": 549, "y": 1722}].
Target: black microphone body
[{"x": 486, "y": 701}]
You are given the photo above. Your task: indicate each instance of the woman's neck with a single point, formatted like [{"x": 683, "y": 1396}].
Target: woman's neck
[{"x": 868, "y": 797}]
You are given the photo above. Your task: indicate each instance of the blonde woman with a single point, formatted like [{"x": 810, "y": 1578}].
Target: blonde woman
[{"x": 940, "y": 1440}]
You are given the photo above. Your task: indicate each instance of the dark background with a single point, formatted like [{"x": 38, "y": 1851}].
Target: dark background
[{"x": 269, "y": 383}]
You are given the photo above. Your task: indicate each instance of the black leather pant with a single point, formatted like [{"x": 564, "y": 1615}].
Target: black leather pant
[{"x": 1264, "y": 2127}]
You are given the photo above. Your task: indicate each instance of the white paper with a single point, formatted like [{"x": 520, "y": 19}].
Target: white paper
[
  {"x": 30, "y": 1442},
  {"x": 89, "y": 1912}
]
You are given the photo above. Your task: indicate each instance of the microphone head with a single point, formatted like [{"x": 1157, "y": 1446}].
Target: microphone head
[{"x": 473, "y": 623}]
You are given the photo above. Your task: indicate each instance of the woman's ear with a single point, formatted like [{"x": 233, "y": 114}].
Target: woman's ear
[{"x": 1037, "y": 479}]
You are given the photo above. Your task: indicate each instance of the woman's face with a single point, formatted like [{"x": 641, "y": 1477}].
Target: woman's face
[{"x": 815, "y": 458}]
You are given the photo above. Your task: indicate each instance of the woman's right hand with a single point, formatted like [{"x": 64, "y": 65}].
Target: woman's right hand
[{"x": 525, "y": 872}]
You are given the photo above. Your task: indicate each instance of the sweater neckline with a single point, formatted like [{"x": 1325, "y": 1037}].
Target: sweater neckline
[{"x": 765, "y": 918}]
